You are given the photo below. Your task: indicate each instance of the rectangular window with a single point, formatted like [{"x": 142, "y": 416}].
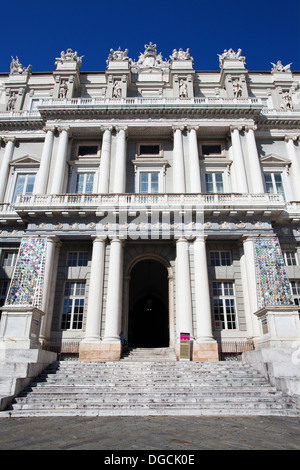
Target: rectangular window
[
  {"x": 149, "y": 182},
  {"x": 9, "y": 258},
  {"x": 211, "y": 149},
  {"x": 295, "y": 286},
  {"x": 220, "y": 258},
  {"x": 87, "y": 150},
  {"x": 24, "y": 185},
  {"x": 77, "y": 258},
  {"x": 289, "y": 258},
  {"x": 214, "y": 182},
  {"x": 73, "y": 305},
  {"x": 224, "y": 305},
  {"x": 149, "y": 149},
  {"x": 84, "y": 183},
  {"x": 273, "y": 183}
]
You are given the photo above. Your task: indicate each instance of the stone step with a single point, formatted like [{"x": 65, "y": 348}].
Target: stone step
[{"x": 150, "y": 388}]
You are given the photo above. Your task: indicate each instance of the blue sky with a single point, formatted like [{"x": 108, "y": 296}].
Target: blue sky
[{"x": 37, "y": 31}]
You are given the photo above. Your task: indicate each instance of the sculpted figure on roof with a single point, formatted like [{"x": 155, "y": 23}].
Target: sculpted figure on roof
[
  {"x": 69, "y": 56},
  {"x": 17, "y": 68},
  {"x": 230, "y": 54}
]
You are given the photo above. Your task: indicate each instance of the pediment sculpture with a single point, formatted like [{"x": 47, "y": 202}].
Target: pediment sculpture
[{"x": 118, "y": 55}]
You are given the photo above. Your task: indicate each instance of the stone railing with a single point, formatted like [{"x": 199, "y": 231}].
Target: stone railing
[
  {"x": 136, "y": 101},
  {"x": 106, "y": 200}
]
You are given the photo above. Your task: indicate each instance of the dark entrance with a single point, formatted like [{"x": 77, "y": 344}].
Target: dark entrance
[{"x": 148, "y": 305}]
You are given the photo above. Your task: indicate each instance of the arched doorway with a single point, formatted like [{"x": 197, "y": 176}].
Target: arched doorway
[{"x": 148, "y": 305}]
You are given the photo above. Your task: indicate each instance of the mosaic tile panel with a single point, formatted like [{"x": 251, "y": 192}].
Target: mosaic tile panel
[
  {"x": 26, "y": 287},
  {"x": 273, "y": 287}
]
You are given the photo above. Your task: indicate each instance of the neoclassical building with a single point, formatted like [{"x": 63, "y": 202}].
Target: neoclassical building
[{"x": 150, "y": 198}]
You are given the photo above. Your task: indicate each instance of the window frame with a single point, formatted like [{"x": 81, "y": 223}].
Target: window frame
[
  {"x": 228, "y": 316},
  {"x": 214, "y": 183},
  {"x": 219, "y": 252},
  {"x": 71, "y": 300},
  {"x": 140, "y": 155},
  {"x": 222, "y": 153},
  {"x": 273, "y": 172},
  {"x": 78, "y": 253}
]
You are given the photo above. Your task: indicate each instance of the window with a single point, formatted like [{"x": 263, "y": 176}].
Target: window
[
  {"x": 24, "y": 185},
  {"x": 149, "y": 149},
  {"x": 220, "y": 258},
  {"x": 77, "y": 258},
  {"x": 289, "y": 258},
  {"x": 273, "y": 183},
  {"x": 224, "y": 305},
  {"x": 211, "y": 149},
  {"x": 3, "y": 291},
  {"x": 149, "y": 182},
  {"x": 87, "y": 150},
  {"x": 84, "y": 183},
  {"x": 214, "y": 182},
  {"x": 73, "y": 305},
  {"x": 9, "y": 258}
]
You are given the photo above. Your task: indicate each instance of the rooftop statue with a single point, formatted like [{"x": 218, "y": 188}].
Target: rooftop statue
[
  {"x": 281, "y": 68},
  {"x": 231, "y": 55},
  {"x": 150, "y": 58},
  {"x": 69, "y": 56},
  {"x": 181, "y": 55},
  {"x": 16, "y": 67},
  {"x": 118, "y": 55}
]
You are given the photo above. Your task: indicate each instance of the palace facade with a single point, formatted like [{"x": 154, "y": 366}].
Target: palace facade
[{"x": 150, "y": 198}]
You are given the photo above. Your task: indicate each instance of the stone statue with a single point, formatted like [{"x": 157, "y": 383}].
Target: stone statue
[
  {"x": 69, "y": 56},
  {"x": 11, "y": 102},
  {"x": 16, "y": 67},
  {"x": 150, "y": 58},
  {"x": 181, "y": 55},
  {"x": 62, "y": 94},
  {"x": 118, "y": 55},
  {"x": 280, "y": 68},
  {"x": 117, "y": 91},
  {"x": 182, "y": 89},
  {"x": 237, "y": 89},
  {"x": 287, "y": 101},
  {"x": 231, "y": 55}
]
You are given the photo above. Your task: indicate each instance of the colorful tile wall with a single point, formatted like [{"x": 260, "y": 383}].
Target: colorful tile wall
[
  {"x": 273, "y": 287},
  {"x": 26, "y": 287}
]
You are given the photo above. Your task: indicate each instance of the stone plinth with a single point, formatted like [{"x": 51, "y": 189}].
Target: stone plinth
[
  {"x": 20, "y": 327},
  {"x": 201, "y": 351},
  {"x": 280, "y": 326},
  {"x": 100, "y": 352}
]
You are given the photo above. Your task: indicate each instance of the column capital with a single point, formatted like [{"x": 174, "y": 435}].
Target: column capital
[
  {"x": 251, "y": 128},
  {"x": 293, "y": 137},
  {"x": 99, "y": 238},
  {"x": 67, "y": 129},
  {"x": 192, "y": 128},
  {"x": 235, "y": 127},
  {"x": 49, "y": 128},
  {"x": 7, "y": 139},
  {"x": 106, "y": 128},
  {"x": 178, "y": 127},
  {"x": 122, "y": 128}
]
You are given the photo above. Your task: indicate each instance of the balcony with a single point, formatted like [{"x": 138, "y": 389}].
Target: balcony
[{"x": 83, "y": 205}]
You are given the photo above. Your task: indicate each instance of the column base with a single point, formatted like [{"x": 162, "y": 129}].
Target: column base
[{"x": 100, "y": 352}]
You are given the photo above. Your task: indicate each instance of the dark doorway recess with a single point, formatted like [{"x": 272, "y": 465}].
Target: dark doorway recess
[{"x": 148, "y": 305}]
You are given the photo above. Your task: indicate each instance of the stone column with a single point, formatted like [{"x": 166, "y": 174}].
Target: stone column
[
  {"x": 257, "y": 186},
  {"x": 295, "y": 167},
  {"x": 104, "y": 170},
  {"x": 195, "y": 182},
  {"x": 90, "y": 346},
  {"x": 60, "y": 163},
  {"x": 184, "y": 318},
  {"x": 250, "y": 272},
  {"x": 53, "y": 243},
  {"x": 40, "y": 186},
  {"x": 111, "y": 345},
  {"x": 120, "y": 167},
  {"x": 178, "y": 162},
  {"x": 205, "y": 347},
  {"x": 4, "y": 171},
  {"x": 238, "y": 160}
]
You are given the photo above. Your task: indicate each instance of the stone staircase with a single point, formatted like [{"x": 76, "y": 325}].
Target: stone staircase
[
  {"x": 148, "y": 388},
  {"x": 149, "y": 355}
]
